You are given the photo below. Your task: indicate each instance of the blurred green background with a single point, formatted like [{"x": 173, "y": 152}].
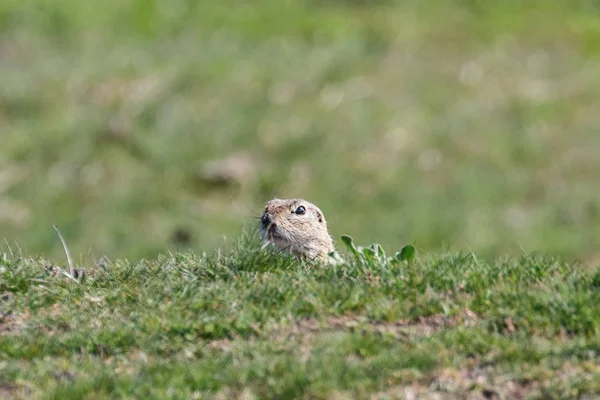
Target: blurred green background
[{"x": 146, "y": 126}]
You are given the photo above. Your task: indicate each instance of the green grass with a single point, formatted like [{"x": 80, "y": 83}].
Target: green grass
[
  {"x": 449, "y": 124},
  {"x": 255, "y": 324}
]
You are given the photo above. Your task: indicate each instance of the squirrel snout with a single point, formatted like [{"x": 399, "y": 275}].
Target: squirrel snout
[{"x": 265, "y": 220}]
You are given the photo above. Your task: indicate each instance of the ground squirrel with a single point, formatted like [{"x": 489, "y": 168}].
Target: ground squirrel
[{"x": 296, "y": 226}]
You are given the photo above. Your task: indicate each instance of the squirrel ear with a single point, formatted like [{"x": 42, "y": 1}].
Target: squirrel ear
[{"x": 320, "y": 216}]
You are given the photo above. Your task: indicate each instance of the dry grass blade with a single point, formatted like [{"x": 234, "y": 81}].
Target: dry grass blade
[{"x": 70, "y": 274}]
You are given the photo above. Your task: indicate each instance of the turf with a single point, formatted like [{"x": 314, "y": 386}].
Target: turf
[
  {"x": 254, "y": 324},
  {"x": 456, "y": 124}
]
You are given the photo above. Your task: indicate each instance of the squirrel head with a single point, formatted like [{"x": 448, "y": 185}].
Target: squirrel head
[{"x": 296, "y": 226}]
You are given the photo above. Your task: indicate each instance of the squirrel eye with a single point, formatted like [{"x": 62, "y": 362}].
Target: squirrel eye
[{"x": 300, "y": 210}]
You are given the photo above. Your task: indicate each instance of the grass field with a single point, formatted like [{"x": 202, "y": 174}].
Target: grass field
[
  {"x": 456, "y": 124},
  {"x": 250, "y": 324},
  {"x": 151, "y": 132}
]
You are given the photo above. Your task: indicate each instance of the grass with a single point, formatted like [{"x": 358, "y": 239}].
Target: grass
[
  {"x": 450, "y": 124},
  {"x": 254, "y": 324}
]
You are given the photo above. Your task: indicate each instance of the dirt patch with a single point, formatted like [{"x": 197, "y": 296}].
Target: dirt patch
[
  {"x": 482, "y": 383},
  {"x": 474, "y": 384},
  {"x": 236, "y": 169},
  {"x": 487, "y": 383},
  {"x": 422, "y": 326},
  {"x": 223, "y": 345},
  {"x": 7, "y": 390},
  {"x": 10, "y": 391},
  {"x": 9, "y": 323}
]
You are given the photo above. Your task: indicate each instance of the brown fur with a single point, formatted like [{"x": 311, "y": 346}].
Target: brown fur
[{"x": 304, "y": 235}]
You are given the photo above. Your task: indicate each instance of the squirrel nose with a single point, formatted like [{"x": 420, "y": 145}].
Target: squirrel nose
[{"x": 265, "y": 220}]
